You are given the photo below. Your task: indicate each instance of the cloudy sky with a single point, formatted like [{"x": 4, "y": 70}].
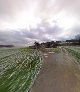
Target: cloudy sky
[{"x": 22, "y": 22}]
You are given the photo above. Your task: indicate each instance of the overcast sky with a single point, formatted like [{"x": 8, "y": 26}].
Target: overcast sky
[{"x": 22, "y": 22}]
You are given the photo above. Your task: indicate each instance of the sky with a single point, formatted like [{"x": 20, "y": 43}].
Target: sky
[{"x": 22, "y": 22}]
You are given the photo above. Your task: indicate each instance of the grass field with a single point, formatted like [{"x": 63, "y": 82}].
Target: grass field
[
  {"x": 56, "y": 50},
  {"x": 75, "y": 51},
  {"x": 18, "y": 69}
]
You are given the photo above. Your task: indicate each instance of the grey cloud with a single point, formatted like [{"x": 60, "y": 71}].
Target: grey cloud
[
  {"x": 44, "y": 32},
  {"x": 75, "y": 31},
  {"x": 11, "y": 38},
  {"x": 43, "y": 7},
  {"x": 29, "y": 37},
  {"x": 9, "y": 8},
  {"x": 25, "y": 36},
  {"x": 72, "y": 7}
]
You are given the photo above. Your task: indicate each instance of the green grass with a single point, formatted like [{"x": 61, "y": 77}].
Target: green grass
[
  {"x": 75, "y": 52},
  {"x": 19, "y": 70},
  {"x": 56, "y": 50}
]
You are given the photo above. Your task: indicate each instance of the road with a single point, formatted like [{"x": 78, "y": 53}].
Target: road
[{"x": 60, "y": 73}]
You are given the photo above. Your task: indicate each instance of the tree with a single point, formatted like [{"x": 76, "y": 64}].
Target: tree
[{"x": 37, "y": 45}]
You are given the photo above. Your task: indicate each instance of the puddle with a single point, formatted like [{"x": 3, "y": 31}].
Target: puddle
[
  {"x": 51, "y": 52},
  {"x": 46, "y": 55}
]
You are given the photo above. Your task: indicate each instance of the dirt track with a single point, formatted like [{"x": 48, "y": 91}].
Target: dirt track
[{"x": 59, "y": 73}]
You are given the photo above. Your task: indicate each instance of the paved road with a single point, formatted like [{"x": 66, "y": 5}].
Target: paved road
[{"x": 59, "y": 73}]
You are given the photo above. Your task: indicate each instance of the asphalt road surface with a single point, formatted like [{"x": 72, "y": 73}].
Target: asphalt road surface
[{"x": 60, "y": 73}]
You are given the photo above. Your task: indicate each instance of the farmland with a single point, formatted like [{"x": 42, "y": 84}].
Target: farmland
[
  {"x": 18, "y": 69},
  {"x": 75, "y": 51}
]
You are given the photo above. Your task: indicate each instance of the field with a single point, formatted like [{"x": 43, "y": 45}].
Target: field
[
  {"x": 75, "y": 51},
  {"x": 18, "y": 69}
]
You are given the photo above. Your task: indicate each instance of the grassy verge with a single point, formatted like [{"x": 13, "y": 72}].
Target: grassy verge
[
  {"x": 56, "y": 50},
  {"x": 75, "y": 53}
]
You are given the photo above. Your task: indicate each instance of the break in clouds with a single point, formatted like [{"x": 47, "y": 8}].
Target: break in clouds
[{"x": 22, "y": 22}]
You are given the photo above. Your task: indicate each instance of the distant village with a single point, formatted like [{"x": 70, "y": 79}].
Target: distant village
[{"x": 54, "y": 44}]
